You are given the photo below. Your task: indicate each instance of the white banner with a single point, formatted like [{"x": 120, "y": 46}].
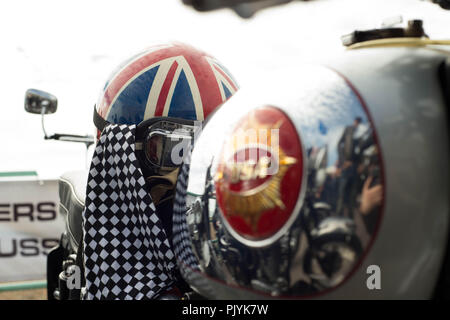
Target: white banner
[{"x": 30, "y": 225}]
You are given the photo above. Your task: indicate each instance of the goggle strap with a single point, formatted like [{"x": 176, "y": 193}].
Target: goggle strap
[
  {"x": 99, "y": 122},
  {"x": 139, "y": 146}
]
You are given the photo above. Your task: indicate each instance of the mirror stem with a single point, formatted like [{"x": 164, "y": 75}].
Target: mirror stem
[{"x": 42, "y": 121}]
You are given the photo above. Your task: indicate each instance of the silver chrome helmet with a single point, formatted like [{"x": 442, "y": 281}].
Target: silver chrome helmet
[{"x": 331, "y": 184}]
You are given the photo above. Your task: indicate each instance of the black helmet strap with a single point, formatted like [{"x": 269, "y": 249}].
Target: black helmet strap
[{"x": 99, "y": 122}]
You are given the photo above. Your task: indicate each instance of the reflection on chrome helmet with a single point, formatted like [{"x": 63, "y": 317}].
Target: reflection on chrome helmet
[{"x": 280, "y": 208}]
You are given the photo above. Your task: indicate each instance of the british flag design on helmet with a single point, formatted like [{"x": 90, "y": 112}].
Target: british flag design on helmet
[{"x": 173, "y": 80}]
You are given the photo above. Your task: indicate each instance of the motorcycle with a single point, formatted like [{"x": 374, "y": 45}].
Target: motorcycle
[{"x": 342, "y": 165}]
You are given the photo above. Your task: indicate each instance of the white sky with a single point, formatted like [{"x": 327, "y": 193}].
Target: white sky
[{"x": 68, "y": 48}]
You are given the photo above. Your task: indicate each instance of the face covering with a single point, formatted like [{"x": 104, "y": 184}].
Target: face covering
[{"x": 126, "y": 251}]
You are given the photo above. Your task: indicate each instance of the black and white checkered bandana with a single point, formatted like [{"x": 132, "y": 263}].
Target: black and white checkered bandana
[
  {"x": 182, "y": 245},
  {"x": 188, "y": 263},
  {"x": 126, "y": 251}
]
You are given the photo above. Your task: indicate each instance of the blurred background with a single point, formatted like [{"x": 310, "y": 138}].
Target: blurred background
[{"x": 69, "y": 48}]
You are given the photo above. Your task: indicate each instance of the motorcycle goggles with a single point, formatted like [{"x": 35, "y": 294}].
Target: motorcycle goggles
[{"x": 160, "y": 142}]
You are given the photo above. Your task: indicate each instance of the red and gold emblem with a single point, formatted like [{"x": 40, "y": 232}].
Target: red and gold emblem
[{"x": 260, "y": 173}]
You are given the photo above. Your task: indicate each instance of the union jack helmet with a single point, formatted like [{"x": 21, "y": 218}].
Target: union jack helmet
[{"x": 171, "y": 80}]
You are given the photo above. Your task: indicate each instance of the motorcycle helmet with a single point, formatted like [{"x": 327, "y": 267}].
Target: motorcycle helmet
[
  {"x": 327, "y": 183},
  {"x": 163, "y": 94},
  {"x": 167, "y": 91}
]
